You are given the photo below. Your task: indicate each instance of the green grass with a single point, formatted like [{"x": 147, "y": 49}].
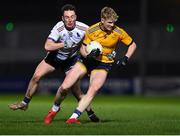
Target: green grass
[{"x": 119, "y": 115}]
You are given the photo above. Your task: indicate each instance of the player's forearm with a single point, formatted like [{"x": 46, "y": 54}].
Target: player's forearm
[
  {"x": 131, "y": 50},
  {"x": 51, "y": 46},
  {"x": 83, "y": 51}
]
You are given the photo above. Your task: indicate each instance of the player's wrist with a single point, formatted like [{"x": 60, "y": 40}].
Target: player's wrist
[{"x": 123, "y": 61}]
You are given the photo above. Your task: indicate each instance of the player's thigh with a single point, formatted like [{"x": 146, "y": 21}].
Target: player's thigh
[
  {"x": 97, "y": 79},
  {"x": 74, "y": 75},
  {"x": 43, "y": 68}
]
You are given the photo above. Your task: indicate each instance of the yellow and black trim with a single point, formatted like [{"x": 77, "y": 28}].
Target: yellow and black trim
[
  {"x": 93, "y": 29},
  {"x": 117, "y": 30}
]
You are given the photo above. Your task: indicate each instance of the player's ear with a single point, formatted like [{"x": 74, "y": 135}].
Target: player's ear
[{"x": 102, "y": 20}]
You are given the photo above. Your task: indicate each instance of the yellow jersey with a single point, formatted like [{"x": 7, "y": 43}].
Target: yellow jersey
[{"x": 108, "y": 40}]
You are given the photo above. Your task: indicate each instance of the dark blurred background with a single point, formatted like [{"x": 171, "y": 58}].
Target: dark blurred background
[{"x": 154, "y": 25}]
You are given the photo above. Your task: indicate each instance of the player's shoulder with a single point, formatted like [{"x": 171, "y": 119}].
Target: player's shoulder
[
  {"x": 60, "y": 23},
  {"x": 94, "y": 28},
  {"x": 118, "y": 29},
  {"x": 59, "y": 26},
  {"x": 82, "y": 26}
]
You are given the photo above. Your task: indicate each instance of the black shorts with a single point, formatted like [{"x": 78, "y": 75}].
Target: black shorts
[
  {"x": 57, "y": 63},
  {"x": 92, "y": 64}
]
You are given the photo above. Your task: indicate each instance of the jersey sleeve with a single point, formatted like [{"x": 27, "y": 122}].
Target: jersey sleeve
[
  {"x": 125, "y": 38},
  {"x": 54, "y": 35}
]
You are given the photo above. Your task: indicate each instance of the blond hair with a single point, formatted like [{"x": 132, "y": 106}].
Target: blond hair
[{"x": 109, "y": 13}]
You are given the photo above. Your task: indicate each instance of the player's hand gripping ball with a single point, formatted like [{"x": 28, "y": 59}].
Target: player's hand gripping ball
[{"x": 94, "y": 45}]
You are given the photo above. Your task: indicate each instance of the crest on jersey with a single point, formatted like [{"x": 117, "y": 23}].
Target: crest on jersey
[{"x": 70, "y": 34}]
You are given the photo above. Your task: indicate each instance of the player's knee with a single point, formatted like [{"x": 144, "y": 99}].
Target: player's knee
[
  {"x": 90, "y": 96},
  {"x": 64, "y": 88},
  {"x": 36, "y": 78},
  {"x": 94, "y": 89}
]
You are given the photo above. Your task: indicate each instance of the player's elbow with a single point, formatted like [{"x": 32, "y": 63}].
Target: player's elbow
[{"x": 47, "y": 47}]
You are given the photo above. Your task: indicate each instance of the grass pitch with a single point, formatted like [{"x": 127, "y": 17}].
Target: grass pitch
[{"x": 119, "y": 115}]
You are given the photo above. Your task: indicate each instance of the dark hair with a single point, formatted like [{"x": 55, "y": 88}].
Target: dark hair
[{"x": 68, "y": 7}]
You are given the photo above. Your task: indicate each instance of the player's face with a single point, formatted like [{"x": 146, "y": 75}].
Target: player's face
[
  {"x": 107, "y": 24},
  {"x": 69, "y": 19}
]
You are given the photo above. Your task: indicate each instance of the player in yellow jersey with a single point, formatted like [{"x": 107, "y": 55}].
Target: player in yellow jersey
[{"x": 95, "y": 63}]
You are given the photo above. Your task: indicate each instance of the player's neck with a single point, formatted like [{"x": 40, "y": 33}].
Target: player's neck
[
  {"x": 104, "y": 29},
  {"x": 70, "y": 28}
]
